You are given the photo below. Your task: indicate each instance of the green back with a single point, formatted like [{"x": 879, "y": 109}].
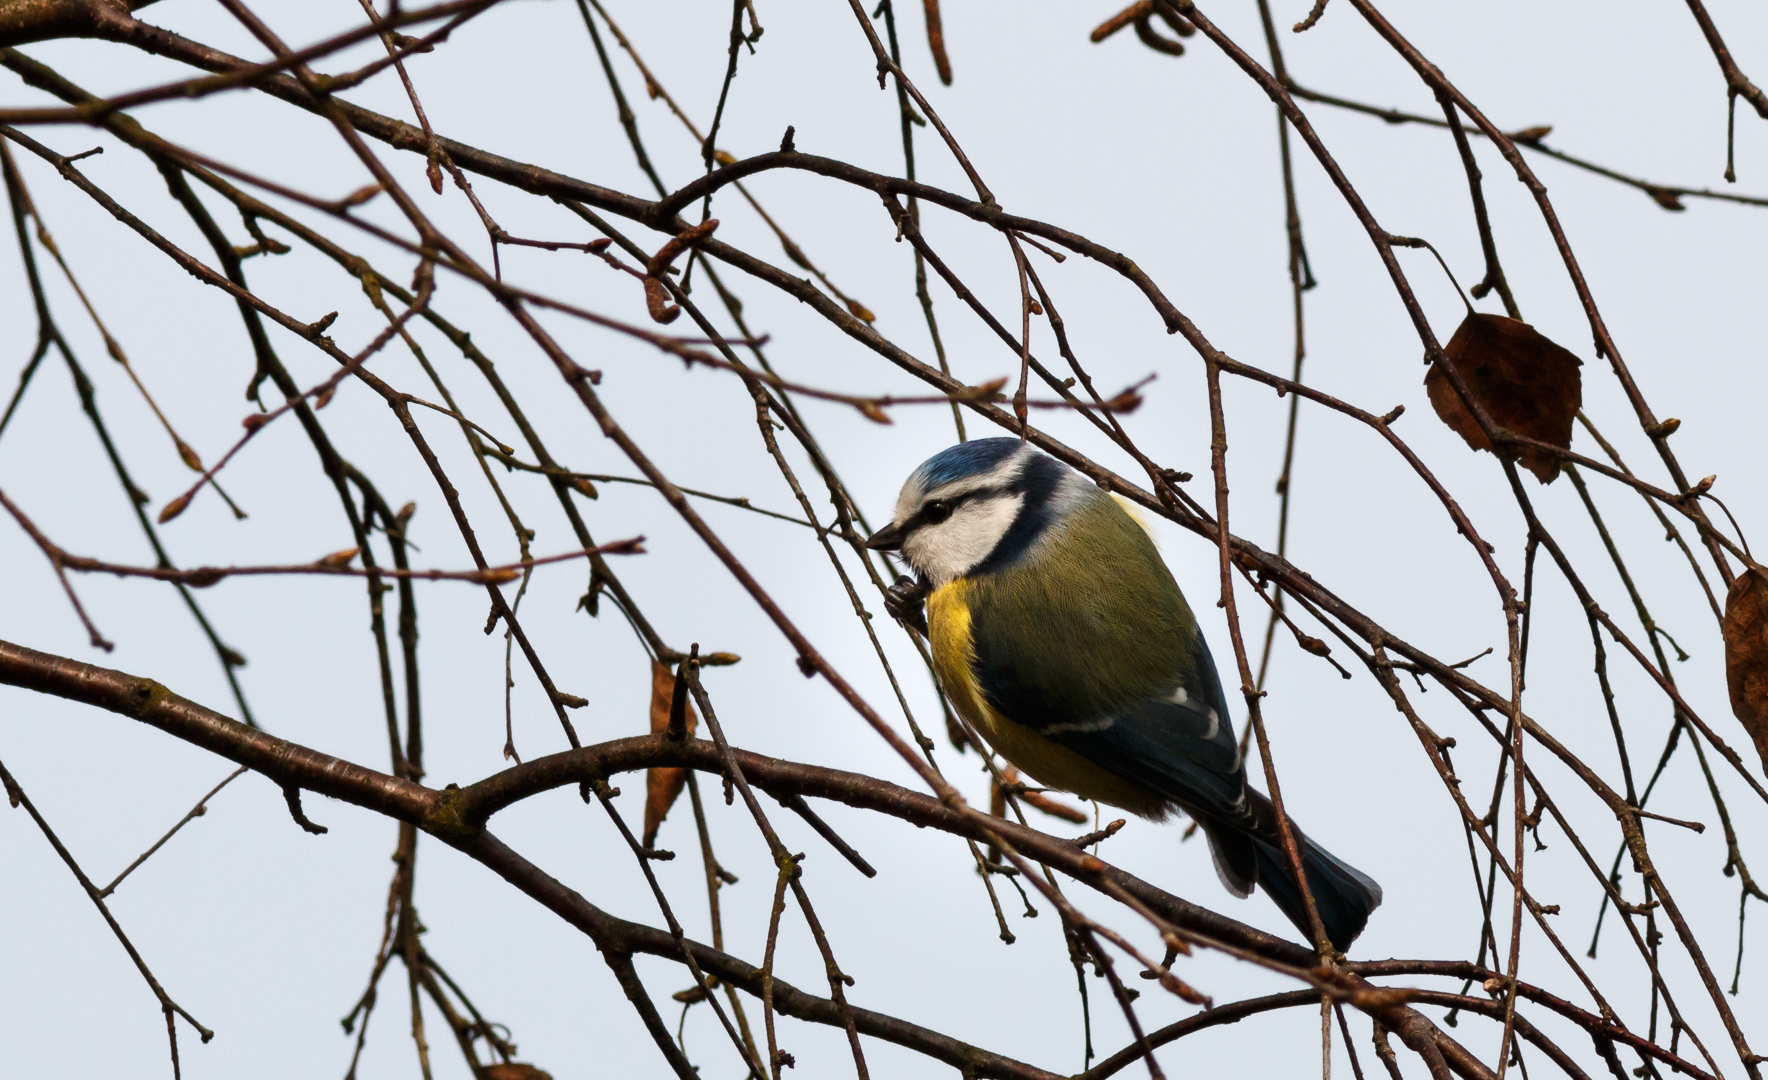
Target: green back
[{"x": 1089, "y": 622}]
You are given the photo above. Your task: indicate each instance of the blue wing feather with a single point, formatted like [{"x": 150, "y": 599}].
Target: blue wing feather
[
  {"x": 1181, "y": 746},
  {"x": 1178, "y": 750}
]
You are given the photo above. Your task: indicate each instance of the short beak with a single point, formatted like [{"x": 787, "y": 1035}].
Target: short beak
[{"x": 889, "y": 538}]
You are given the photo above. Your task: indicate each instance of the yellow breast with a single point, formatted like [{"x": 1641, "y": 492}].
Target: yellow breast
[
  {"x": 949, "y": 626},
  {"x": 954, "y": 652}
]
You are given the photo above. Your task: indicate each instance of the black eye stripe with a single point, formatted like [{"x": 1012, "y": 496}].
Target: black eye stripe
[{"x": 951, "y": 505}]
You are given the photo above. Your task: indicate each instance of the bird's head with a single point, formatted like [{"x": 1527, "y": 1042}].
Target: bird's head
[{"x": 986, "y": 501}]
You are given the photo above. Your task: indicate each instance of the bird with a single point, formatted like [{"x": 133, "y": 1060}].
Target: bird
[{"x": 1059, "y": 633}]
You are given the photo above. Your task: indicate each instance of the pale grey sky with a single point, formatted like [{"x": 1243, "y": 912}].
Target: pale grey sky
[{"x": 266, "y": 934}]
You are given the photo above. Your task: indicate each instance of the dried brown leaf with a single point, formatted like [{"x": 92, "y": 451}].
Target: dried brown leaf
[
  {"x": 1526, "y": 383},
  {"x": 663, "y": 785},
  {"x": 1745, "y": 630}
]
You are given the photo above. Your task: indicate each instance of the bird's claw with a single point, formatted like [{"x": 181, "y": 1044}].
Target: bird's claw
[{"x": 906, "y": 602}]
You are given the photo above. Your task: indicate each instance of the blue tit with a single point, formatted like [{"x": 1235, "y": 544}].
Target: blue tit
[{"x": 1059, "y": 633}]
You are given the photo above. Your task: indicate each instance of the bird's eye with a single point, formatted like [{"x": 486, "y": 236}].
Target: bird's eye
[{"x": 936, "y": 511}]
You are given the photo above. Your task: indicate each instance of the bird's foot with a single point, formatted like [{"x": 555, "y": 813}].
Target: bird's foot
[{"x": 906, "y": 602}]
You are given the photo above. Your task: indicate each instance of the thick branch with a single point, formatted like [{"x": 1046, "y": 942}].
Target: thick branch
[
  {"x": 24, "y": 21},
  {"x": 455, "y": 816},
  {"x": 438, "y": 812}
]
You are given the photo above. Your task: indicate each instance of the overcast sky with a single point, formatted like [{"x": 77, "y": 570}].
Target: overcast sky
[{"x": 266, "y": 934}]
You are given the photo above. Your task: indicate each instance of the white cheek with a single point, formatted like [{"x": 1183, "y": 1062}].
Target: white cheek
[{"x": 947, "y": 550}]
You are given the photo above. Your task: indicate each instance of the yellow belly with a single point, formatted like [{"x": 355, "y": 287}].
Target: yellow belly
[{"x": 1047, "y": 762}]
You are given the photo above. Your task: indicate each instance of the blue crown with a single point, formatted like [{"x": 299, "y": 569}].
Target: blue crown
[{"x": 965, "y": 459}]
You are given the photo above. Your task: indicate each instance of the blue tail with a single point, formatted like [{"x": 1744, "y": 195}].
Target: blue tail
[{"x": 1343, "y": 895}]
